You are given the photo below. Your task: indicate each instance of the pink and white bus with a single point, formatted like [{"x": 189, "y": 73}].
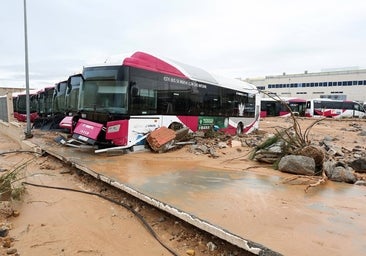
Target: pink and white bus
[
  {"x": 334, "y": 108},
  {"x": 118, "y": 104}
]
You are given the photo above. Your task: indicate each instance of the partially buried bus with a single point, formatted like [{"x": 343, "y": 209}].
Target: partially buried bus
[
  {"x": 334, "y": 108},
  {"x": 119, "y": 104}
]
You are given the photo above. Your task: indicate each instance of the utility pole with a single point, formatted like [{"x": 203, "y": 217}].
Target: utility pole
[{"x": 28, "y": 133}]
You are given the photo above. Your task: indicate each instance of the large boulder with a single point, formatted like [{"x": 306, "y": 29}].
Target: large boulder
[{"x": 297, "y": 164}]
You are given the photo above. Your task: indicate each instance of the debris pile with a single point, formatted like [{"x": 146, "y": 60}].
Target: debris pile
[
  {"x": 163, "y": 138},
  {"x": 326, "y": 160}
]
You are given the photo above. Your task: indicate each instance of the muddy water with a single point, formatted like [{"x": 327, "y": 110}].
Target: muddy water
[{"x": 329, "y": 219}]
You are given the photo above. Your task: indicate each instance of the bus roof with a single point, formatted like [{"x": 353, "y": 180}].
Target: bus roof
[
  {"x": 171, "y": 67},
  {"x": 31, "y": 92},
  {"x": 328, "y": 99},
  {"x": 285, "y": 99}
]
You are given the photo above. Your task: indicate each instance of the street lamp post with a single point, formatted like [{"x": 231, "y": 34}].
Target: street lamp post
[{"x": 28, "y": 133}]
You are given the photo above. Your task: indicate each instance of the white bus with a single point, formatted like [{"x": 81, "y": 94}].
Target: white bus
[{"x": 334, "y": 108}]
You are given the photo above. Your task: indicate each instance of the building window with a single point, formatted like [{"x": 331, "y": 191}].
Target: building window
[
  {"x": 359, "y": 82},
  {"x": 354, "y": 82}
]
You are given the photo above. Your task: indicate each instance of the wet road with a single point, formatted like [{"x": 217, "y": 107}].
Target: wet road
[{"x": 237, "y": 206}]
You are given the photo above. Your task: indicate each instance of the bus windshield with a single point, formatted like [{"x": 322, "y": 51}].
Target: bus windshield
[
  {"x": 22, "y": 106},
  {"x": 104, "y": 96}
]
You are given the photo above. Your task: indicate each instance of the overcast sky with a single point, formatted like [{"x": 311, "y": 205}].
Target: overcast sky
[{"x": 233, "y": 38}]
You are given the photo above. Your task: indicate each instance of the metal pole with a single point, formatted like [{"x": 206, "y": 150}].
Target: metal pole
[{"x": 28, "y": 133}]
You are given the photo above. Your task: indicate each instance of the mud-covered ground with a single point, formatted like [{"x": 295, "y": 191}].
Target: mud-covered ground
[{"x": 62, "y": 222}]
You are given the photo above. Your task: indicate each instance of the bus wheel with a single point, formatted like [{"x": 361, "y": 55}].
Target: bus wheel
[
  {"x": 239, "y": 129},
  {"x": 175, "y": 126}
]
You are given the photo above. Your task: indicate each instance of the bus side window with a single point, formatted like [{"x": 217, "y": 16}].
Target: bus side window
[
  {"x": 134, "y": 91},
  {"x": 169, "y": 108}
]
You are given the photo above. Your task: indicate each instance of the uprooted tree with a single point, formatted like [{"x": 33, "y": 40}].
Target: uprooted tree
[{"x": 293, "y": 141}]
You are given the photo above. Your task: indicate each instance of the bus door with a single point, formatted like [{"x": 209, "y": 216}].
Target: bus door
[{"x": 271, "y": 109}]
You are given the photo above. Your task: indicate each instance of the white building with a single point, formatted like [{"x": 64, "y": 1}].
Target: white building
[{"x": 342, "y": 84}]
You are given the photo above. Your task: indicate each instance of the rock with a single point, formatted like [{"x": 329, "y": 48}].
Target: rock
[
  {"x": 297, "y": 164},
  {"x": 328, "y": 138},
  {"x": 236, "y": 143},
  {"x": 200, "y": 134},
  {"x": 161, "y": 219},
  {"x": 16, "y": 213},
  {"x": 270, "y": 154},
  {"x": 11, "y": 251},
  {"x": 363, "y": 133},
  {"x": 342, "y": 174},
  {"x": 181, "y": 133},
  {"x": 213, "y": 153},
  {"x": 7, "y": 242},
  {"x": 4, "y": 231},
  {"x": 332, "y": 149},
  {"x": 337, "y": 171},
  {"x": 222, "y": 144},
  {"x": 359, "y": 165},
  {"x": 190, "y": 252},
  {"x": 6, "y": 209},
  {"x": 200, "y": 149},
  {"x": 211, "y": 246},
  {"x": 358, "y": 148},
  {"x": 360, "y": 183}
]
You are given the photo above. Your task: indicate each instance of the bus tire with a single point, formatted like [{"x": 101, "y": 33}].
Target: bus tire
[
  {"x": 239, "y": 129},
  {"x": 175, "y": 126}
]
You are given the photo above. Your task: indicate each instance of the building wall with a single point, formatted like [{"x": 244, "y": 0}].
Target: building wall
[
  {"x": 6, "y": 108},
  {"x": 346, "y": 85},
  {"x": 5, "y": 90}
]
